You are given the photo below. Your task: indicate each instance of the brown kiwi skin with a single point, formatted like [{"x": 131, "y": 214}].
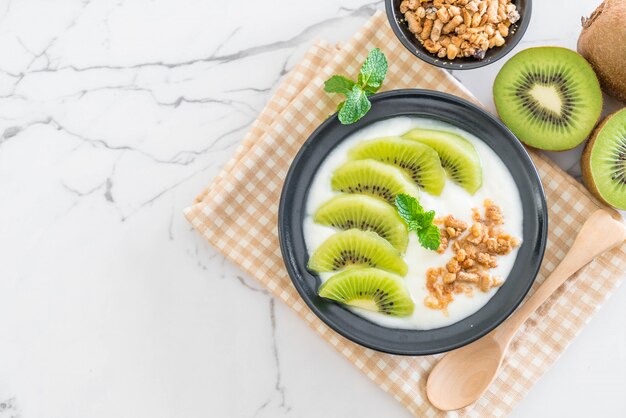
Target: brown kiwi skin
[
  {"x": 602, "y": 43},
  {"x": 585, "y": 161}
]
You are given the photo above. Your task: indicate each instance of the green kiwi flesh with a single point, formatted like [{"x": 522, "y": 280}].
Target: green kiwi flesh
[
  {"x": 604, "y": 161},
  {"x": 373, "y": 178},
  {"x": 549, "y": 97},
  {"x": 420, "y": 162},
  {"x": 347, "y": 211},
  {"x": 356, "y": 248},
  {"x": 458, "y": 156},
  {"x": 371, "y": 289}
]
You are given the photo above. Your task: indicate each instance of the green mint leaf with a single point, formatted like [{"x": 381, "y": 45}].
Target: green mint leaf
[
  {"x": 427, "y": 218},
  {"x": 373, "y": 70},
  {"x": 356, "y": 106},
  {"x": 371, "y": 76},
  {"x": 414, "y": 226},
  {"x": 369, "y": 90},
  {"x": 338, "y": 84},
  {"x": 408, "y": 208},
  {"x": 429, "y": 237},
  {"x": 419, "y": 221}
]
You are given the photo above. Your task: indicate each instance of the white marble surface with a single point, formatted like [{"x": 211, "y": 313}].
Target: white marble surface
[{"x": 113, "y": 115}]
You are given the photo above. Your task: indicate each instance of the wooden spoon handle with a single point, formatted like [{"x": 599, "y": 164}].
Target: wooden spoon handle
[{"x": 598, "y": 234}]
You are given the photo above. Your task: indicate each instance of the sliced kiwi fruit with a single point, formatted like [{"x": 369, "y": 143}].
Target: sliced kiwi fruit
[
  {"x": 420, "y": 162},
  {"x": 373, "y": 178},
  {"x": 604, "y": 161},
  {"x": 549, "y": 97},
  {"x": 371, "y": 289},
  {"x": 356, "y": 248},
  {"x": 458, "y": 156},
  {"x": 347, "y": 211}
]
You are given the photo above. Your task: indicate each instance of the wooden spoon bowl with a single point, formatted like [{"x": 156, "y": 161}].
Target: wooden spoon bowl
[{"x": 463, "y": 375}]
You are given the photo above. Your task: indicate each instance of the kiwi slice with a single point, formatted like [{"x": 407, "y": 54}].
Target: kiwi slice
[
  {"x": 373, "y": 178},
  {"x": 347, "y": 211},
  {"x": 458, "y": 156},
  {"x": 371, "y": 289},
  {"x": 549, "y": 97},
  {"x": 356, "y": 248},
  {"x": 420, "y": 162},
  {"x": 604, "y": 161}
]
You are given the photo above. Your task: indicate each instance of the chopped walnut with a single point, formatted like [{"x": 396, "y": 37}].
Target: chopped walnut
[
  {"x": 449, "y": 278},
  {"x": 477, "y": 25},
  {"x": 414, "y": 23},
  {"x": 477, "y": 229},
  {"x": 461, "y": 255},
  {"x": 443, "y": 244},
  {"x": 475, "y": 251},
  {"x": 485, "y": 282},
  {"x": 453, "y": 227},
  {"x": 493, "y": 213},
  {"x": 486, "y": 260},
  {"x": 467, "y": 264},
  {"x": 453, "y": 266},
  {"x": 428, "y": 26},
  {"x": 467, "y": 277}
]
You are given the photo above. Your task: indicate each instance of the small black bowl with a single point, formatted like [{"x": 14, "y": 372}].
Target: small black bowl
[
  {"x": 396, "y": 20},
  {"x": 455, "y": 111}
]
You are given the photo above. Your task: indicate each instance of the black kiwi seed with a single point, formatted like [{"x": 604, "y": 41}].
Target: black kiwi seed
[
  {"x": 414, "y": 170},
  {"x": 347, "y": 257},
  {"x": 529, "y": 103},
  {"x": 365, "y": 213},
  {"x": 603, "y": 161},
  {"x": 416, "y": 161},
  {"x": 383, "y": 192},
  {"x": 452, "y": 169},
  {"x": 549, "y": 97},
  {"x": 385, "y": 291},
  {"x": 619, "y": 166}
]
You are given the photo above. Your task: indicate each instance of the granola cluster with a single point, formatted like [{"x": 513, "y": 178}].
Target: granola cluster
[
  {"x": 475, "y": 251},
  {"x": 459, "y": 28}
]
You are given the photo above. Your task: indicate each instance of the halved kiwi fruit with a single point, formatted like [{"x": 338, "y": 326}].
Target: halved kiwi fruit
[
  {"x": 347, "y": 211},
  {"x": 373, "y": 178},
  {"x": 549, "y": 97},
  {"x": 420, "y": 162},
  {"x": 604, "y": 161},
  {"x": 356, "y": 248},
  {"x": 458, "y": 156},
  {"x": 371, "y": 289}
]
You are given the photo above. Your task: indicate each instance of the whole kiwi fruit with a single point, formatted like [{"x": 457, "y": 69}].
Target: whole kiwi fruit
[{"x": 603, "y": 43}]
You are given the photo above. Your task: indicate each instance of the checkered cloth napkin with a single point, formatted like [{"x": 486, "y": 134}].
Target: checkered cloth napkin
[{"x": 237, "y": 214}]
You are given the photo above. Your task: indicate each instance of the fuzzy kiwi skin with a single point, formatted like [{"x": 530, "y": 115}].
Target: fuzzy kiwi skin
[
  {"x": 585, "y": 164},
  {"x": 585, "y": 161},
  {"x": 603, "y": 43}
]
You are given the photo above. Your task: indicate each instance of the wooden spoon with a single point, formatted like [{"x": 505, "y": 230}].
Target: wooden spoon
[{"x": 463, "y": 375}]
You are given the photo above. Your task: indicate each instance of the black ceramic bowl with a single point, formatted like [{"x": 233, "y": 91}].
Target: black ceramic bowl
[
  {"x": 396, "y": 20},
  {"x": 458, "y": 112}
]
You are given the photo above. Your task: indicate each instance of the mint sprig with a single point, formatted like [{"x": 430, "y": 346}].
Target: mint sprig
[
  {"x": 338, "y": 84},
  {"x": 419, "y": 220},
  {"x": 370, "y": 79}
]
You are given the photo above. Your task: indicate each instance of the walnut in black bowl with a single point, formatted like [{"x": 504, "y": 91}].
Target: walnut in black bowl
[{"x": 459, "y": 34}]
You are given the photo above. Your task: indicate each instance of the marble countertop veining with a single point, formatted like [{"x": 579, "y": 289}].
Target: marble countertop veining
[{"x": 113, "y": 116}]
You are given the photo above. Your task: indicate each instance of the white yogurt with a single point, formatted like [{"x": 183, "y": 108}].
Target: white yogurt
[{"x": 498, "y": 185}]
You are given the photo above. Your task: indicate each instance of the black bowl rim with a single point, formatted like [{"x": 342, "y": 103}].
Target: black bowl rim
[
  {"x": 284, "y": 234},
  {"x": 451, "y": 65}
]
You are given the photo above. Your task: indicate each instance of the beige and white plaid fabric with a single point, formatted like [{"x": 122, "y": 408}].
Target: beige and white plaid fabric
[{"x": 250, "y": 185}]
